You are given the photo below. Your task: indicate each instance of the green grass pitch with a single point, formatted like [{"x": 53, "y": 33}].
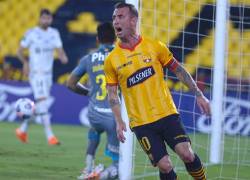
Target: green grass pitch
[{"x": 38, "y": 161}]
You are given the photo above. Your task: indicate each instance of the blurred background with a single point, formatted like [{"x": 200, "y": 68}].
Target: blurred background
[{"x": 76, "y": 21}]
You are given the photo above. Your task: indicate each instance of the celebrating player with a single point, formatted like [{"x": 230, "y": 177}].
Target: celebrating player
[
  {"x": 99, "y": 113},
  {"x": 41, "y": 41},
  {"x": 136, "y": 65}
]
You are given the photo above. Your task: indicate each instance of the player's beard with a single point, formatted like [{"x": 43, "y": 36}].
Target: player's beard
[{"x": 44, "y": 26}]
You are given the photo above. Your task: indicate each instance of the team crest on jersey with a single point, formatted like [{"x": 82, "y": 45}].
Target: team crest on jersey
[
  {"x": 147, "y": 60},
  {"x": 140, "y": 76}
]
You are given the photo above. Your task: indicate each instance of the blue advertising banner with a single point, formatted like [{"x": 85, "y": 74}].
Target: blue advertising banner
[{"x": 67, "y": 107}]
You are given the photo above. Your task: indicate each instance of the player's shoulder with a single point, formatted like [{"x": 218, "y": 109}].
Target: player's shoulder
[
  {"x": 112, "y": 53},
  {"x": 53, "y": 30},
  {"x": 84, "y": 59},
  {"x": 151, "y": 40},
  {"x": 92, "y": 51},
  {"x": 31, "y": 31},
  {"x": 115, "y": 50},
  {"x": 155, "y": 43}
]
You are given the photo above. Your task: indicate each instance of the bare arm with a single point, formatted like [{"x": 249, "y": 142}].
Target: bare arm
[
  {"x": 74, "y": 85},
  {"x": 115, "y": 105},
  {"x": 23, "y": 59},
  {"x": 187, "y": 79},
  {"x": 20, "y": 55},
  {"x": 62, "y": 55}
]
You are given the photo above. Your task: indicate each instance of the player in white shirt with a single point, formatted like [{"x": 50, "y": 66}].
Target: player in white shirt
[{"x": 41, "y": 41}]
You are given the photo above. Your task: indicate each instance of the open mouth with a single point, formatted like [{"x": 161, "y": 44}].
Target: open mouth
[{"x": 118, "y": 29}]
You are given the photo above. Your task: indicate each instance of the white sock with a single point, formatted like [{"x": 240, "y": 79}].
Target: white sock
[
  {"x": 42, "y": 111},
  {"x": 47, "y": 126},
  {"x": 24, "y": 126},
  {"x": 89, "y": 162}
]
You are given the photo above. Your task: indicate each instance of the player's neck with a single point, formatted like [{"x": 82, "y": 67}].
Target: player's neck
[
  {"x": 130, "y": 42},
  {"x": 44, "y": 28}
]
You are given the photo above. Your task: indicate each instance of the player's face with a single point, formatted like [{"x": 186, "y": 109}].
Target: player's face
[
  {"x": 123, "y": 22},
  {"x": 45, "y": 20}
]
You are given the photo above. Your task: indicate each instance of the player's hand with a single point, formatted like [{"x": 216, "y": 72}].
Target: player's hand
[
  {"x": 26, "y": 68},
  {"x": 204, "y": 104},
  {"x": 120, "y": 127}
]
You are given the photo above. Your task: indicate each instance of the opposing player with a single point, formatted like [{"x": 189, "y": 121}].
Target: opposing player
[
  {"x": 99, "y": 113},
  {"x": 136, "y": 65},
  {"x": 41, "y": 41}
]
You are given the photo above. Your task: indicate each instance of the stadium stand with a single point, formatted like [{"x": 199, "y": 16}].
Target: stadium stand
[
  {"x": 192, "y": 40},
  {"x": 77, "y": 20}
]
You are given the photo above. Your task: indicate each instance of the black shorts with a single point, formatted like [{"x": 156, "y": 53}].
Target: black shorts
[{"x": 152, "y": 137}]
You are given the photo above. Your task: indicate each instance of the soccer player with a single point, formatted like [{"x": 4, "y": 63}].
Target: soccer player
[
  {"x": 99, "y": 112},
  {"x": 136, "y": 65},
  {"x": 41, "y": 41}
]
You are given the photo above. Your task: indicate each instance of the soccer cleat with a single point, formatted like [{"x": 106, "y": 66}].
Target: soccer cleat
[
  {"x": 84, "y": 175},
  {"x": 92, "y": 175},
  {"x": 53, "y": 141},
  {"x": 110, "y": 173},
  {"x": 22, "y": 136}
]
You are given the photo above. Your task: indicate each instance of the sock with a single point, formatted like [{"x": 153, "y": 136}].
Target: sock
[
  {"x": 24, "y": 126},
  {"x": 168, "y": 176},
  {"x": 47, "y": 126},
  {"x": 196, "y": 169},
  {"x": 89, "y": 162},
  {"x": 93, "y": 141},
  {"x": 42, "y": 111}
]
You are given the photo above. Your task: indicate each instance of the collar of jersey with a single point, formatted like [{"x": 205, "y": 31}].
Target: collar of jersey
[{"x": 132, "y": 48}]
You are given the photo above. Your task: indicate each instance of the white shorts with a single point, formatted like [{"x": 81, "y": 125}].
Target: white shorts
[{"x": 41, "y": 85}]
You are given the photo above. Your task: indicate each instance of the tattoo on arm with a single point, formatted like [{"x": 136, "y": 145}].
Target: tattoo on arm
[
  {"x": 187, "y": 79},
  {"x": 113, "y": 96},
  {"x": 113, "y": 102}
]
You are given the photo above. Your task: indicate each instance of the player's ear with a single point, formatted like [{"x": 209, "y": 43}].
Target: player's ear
[{"x": 134, "y": 20}]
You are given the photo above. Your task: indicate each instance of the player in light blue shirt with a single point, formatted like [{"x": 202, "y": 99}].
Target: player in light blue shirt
[{"x": 99, "y": 112}]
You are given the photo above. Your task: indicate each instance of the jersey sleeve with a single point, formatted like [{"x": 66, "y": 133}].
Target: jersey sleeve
[
  {"x": 26, "y": 40},
  {"x": 165, "y": 55},
  {"x": 81, "y": 68},
  {"x": 110, "y": 73},
  {"x": 57, "y": 40}
]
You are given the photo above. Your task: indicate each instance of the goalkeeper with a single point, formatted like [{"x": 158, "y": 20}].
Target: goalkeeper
[
  {"x": 136, "y": 65},
  {"x": 99, "y": 113}
]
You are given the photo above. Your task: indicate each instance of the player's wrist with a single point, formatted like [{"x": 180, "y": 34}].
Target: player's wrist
[
  {"x": 198, "y": 93},
  {"x": 119, "y": 120}
]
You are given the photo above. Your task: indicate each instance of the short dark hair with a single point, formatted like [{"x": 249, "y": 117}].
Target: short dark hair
[
  {"x": 46, "y": 12},
  {"x": 133, "y": 11},
  {"x": 106, "y": 33}
]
